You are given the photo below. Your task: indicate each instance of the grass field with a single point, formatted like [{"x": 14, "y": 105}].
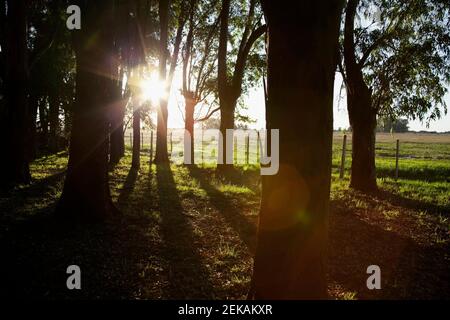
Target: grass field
[{"x": 185, "y": 233}]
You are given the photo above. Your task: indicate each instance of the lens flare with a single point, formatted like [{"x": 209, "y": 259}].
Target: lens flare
[{"x": 152, "y": 89}]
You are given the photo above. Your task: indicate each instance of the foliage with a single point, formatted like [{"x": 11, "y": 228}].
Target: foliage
[
  {"x": 389, "y": 125},
  {"x": 404, "y": 52}
]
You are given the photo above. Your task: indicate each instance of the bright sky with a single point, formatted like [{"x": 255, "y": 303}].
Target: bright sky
[{"x": 255, "y": 102}]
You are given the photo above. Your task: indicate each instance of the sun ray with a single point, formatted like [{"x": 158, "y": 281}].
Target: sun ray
[{"x": 152, "y": 88}]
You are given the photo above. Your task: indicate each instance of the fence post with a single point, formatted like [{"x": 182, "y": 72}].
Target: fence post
[
  {"x": 151, "y": 146},
  {"x": 344, "y": 147},
  {"x": 171, "y": 145},
  {"x": 396, "y": 159},
  {"x": 247, "y": 148},
  {"x": 235, "y": 150},
  {"x": 257, "y": 147},
  {"x": 142, "y": 140}
]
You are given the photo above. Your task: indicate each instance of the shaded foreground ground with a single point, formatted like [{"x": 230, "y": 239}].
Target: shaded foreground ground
[{"x": 186, "y": 234}]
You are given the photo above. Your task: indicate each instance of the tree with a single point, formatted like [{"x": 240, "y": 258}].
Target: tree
[
  {"x": 231, "y": 89},
  {"x": 121, "y": 56},
  {"x": 302, "y": 57},
  {"x": 396, "y": 61},
  {"x": 199, "y": 63},
  {"x": 86, "y": 194},
  {"x": 136, "y": 65},
  {"x": 15, "y": 113},
  {"x": 136, "y": 155},
  {"x": 161, "y": 155}
]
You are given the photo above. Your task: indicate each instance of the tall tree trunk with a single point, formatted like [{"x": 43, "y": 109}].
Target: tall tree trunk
[
  {"x": 33, "y": 105},
  {"x": 231, "y": 89},
  {"x": 292, "y": 234},
  {"x": 361, "y": 113},
  {"x": 43, "y": 120},
  {"x": 117, "y": 139},
  {"x": 14, "y": 162},
  {"x": 67, "y": 122},
  {"x": 86, "y": 195},
  {"x": 189, "y": 122},
  {"x": 161, "y": 155},
  {"x": 227, "y": 110},
  {"x": 53, "y": 103},
  {"x": 136, "y": 157},
  {"x": 363, "y": 120}
]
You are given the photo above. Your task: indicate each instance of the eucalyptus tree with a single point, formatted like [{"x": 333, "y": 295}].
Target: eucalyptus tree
[
  {"x": 168, "y": 57},
  {"x": 292, "y": 233},
  {"x": 244, "y": 30},
  {"x": 14, "y": 109},
  {"x": 32, "y": 44},
  {"x": 199, "y": 65},
  {"x": 86, "y": 194},
  {"x": 396, "y": 63},
  {"x": 134, "y": 41},
  {"x": 53, "y": 94}
]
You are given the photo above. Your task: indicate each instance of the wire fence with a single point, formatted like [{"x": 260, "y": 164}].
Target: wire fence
[{"x": 248, "y": 144}]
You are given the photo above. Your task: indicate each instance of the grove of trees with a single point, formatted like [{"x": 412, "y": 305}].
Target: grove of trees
[{"x": 72, "y": 90}]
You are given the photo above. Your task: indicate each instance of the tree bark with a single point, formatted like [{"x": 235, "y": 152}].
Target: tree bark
[
  {"x": 362, "y": 115},
  {"x": 231, "y": 89},
  {"x": 14, "y": 162},
  {"x": 161, "y": 154},
  {"x": 136, "y": 156},
  {"x": 228, "y": 106},
  {"x": 363, "y": 121},
  {"x": 292, "y": 234},
  {"x": 86, "y": 195},
  {"x": 54, "y": 122},
  {"x": 189, "y": 122},
  {"x": 117, "y": 139},
  {"x": 43, "y": 120},
  {"x": 33, "y": 107}
]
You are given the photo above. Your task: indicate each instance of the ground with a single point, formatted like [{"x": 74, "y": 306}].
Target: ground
[{"x": 184, "y": 233}]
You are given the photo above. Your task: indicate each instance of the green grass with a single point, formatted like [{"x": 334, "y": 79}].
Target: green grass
[{"x": 188, "y": 233}]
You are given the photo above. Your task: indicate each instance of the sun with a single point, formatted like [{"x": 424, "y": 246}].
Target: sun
[{"x": 152, "y": 89}]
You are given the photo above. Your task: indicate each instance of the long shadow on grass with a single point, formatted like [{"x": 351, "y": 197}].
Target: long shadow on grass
[
  {"x": 398, "y": 200},
  {"x": 187, "y": 276},
  {"x": 16, "y": 201},
  {"x": 112, "y": 257},
  {"x": 422, "y": 174},
  {"x": 128, "y": 186},
  {"x": 227, "y": 209},
  {"x": 408, "y": 270}
]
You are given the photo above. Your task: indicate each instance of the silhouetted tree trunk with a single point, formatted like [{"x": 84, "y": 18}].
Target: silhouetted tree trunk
[
  {"x": 117, "y": 139},
  {"x": 230, "y": 89},
  {"x": 86, "y": 194},
  {"x": 14, "y": 162},
  {"x": 33, "y": 105},
  {"x": 362, "y": 115},
  {"x": 67, "y": 122},
  {"x": 43, "y": 120},
  {"x": 119, "y": 57},
  {"x": 161, "y": 155},
  {"x": 302, "y": 56},
  {"x": 136, "y": 162},
  {"x": 53, "y": 104}
]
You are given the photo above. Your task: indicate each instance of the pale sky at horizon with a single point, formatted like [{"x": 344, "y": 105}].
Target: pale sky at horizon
[{"x": 255, "y": 102}]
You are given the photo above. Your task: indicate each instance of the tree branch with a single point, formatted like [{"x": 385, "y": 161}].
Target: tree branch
[
  {"x": 208, "y": 115},
  {"x": 242, "y": 59}
]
